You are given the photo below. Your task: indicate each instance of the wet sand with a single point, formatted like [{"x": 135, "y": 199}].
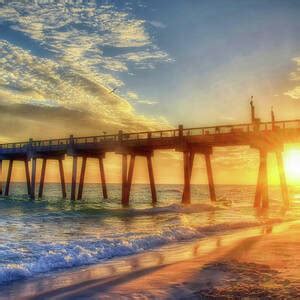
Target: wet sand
[{"x": 260, "y": 262}]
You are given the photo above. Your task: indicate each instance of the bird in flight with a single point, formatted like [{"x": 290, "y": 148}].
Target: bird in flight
[{"x": 113, "y": 90}]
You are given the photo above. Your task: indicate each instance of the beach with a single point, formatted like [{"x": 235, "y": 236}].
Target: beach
[
  {"x": 259, "y": 263},
  {"x": 57, "y": 249}
]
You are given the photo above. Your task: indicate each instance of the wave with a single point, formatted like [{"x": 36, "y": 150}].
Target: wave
[
  {"x": 27, "y": 259},
  {"x": 174, "y": 208}
]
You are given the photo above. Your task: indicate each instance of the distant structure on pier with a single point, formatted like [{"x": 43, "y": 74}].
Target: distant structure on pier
[{"x": 266, "y": 137}]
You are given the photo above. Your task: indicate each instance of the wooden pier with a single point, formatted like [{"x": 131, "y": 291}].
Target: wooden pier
[{"x": 266, "y": 137}]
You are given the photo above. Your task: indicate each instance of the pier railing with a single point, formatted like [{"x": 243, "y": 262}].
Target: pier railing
[{"x": 170, "y": 133}]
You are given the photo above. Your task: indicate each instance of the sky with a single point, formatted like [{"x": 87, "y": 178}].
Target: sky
[{"x": 192, "y": 62}]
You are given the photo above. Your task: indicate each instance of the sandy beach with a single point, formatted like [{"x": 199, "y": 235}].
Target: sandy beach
[{"x": 261, "y": 262}]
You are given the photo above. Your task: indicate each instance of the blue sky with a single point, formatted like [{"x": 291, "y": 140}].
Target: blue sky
[
  {"x": 190, "y": 62},
  {"x": 170, "y": 62},
  {"x": 223, "y": 51}
]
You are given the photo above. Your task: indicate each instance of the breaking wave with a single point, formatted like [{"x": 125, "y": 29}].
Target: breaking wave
[{"x": 25, "y": 260}]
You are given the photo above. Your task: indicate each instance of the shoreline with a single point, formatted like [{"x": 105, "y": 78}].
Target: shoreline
[{"x": 122, "y": 276}]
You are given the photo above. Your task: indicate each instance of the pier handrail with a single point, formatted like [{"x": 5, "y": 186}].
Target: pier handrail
[{"x": 174, "y": 132}]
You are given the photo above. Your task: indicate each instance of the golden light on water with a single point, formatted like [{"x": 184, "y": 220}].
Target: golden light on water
[{"x": 292, "y": 165}]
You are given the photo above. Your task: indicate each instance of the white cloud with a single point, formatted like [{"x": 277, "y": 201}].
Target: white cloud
[
  {"x": 132, "y": 95},
  {"x": 157, "y": 24},
  {"x": 134, "y": 98},
  {"x": 294, "y": 93},
  {"x": 32, "y": 79},
  {"x": 69, "y": 69}
]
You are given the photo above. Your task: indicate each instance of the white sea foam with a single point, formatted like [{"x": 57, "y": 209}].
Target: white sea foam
[{"x": 32, "y": 258}]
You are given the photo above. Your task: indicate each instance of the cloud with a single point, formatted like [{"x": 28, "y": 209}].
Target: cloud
[
  {"x": 147, "y": 102},
  {"x": 45, "y": 83},
  {"x": 68, "y": 72},
  {"x": 157, "y": 24},
  {"x": 77, "y": 33},
  {"x": 294, "y": 93},
  {"x": 146, "y": 59},
  {"x": 134, "y": 97}
]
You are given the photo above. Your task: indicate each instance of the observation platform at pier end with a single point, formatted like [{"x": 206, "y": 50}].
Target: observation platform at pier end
[{"x": 266, "y": 137}]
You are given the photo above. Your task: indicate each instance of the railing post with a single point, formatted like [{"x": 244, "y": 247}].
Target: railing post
[
  {"x": 120, "y": 136},
  {"x": 29, "y": 148},
  {"x": 180, "y": 131},
  {"x": 71, "y": 139}
]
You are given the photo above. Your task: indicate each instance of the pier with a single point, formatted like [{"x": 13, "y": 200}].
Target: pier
[{"x": 266, "y": 137}]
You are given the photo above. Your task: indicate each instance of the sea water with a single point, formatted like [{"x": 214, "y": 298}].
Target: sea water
[{"x": 51, "y": 234}]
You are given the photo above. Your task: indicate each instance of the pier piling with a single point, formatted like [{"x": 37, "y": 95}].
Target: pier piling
[
  {"x": 81, "y": 181},
  {"x": 186, "y": 195},
  {"x": 261, "y": 195},
  {"x": 42, "y": 179},
  {"x": 10, "y": 166},
  {"x": 283, "y": 184},
  {"x": 62, "y": 179},
  {"x": 0, "y": 177},
  {"x": 74, "y": 177},
  {"x": 257, "y": 199},
  {"x": 151, "y": 179},
  {"x": 211, "y": 185},
  {"x": 125, "y": 200},
  {"x": 33, "y": 178},
  {"x": 103, "y": 180},
  {"x": 130, "y": 175},
  {"x": 27, "y": 175}
]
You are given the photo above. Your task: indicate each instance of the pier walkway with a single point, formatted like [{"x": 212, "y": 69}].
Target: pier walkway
[{"x": 266, "y": 137}]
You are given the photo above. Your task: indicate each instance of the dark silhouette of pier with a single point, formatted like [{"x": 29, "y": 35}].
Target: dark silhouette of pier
[{"x": 266, "y": 137}]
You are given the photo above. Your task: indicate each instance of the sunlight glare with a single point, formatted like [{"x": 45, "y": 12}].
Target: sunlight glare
[{"x": 292, "y": 165}]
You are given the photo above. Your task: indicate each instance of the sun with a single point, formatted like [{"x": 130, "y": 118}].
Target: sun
[{"x": 292, "y": 164}]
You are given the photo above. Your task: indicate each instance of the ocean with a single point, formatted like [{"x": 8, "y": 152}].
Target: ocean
[{"x": 52, "y": 234}]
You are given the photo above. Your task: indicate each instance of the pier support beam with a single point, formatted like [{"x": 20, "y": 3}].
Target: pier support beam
[
  {"x": 27, "y": 174},
  {"x": 33, "y": 178},
  {"x": 261, "y": 195},
  {"x": 283, "y": 184},
  {"x": 42, "y": 179},
  {"x": 125, "y": 199},
  {"x": 62, "y": 179},
  {"x": 103, "y": 180},
  {"x": 74, "y": 177},
  {"x": 186, "y": 195},
  {"x": 0, "y": 177},
  {"x": 81, "y": 181},
  {"x": 151, "y": 179},
  {"x": 127, "y": 175},
  {"x": 211, "y": 185},
  {"x": 130, "y": 175},
  {"x": 10, "y": 166}
]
